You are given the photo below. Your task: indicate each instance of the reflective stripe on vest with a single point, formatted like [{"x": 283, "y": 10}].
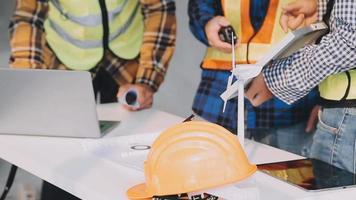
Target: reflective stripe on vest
[
  {"x": 90, "y": 20},
  {"x": 80, "y": 45},
  {"x": 335, "y": 87},
  {"x": 237, "y": 12}
]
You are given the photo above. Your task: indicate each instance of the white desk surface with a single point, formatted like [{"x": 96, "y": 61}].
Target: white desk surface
[{"x": 64, "y": 163}]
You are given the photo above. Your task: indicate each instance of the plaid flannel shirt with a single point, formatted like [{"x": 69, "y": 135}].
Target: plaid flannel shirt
[
  {"x": 292, "y": 78},
  {"x": 30, "y": 50},
  {"x": 208, "y": 104}
]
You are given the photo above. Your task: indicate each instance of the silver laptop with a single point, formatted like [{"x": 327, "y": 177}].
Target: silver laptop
[{"x": 49, "y": 103}]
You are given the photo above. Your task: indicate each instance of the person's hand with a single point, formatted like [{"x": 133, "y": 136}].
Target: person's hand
[
  {"x": 298, "y": 14},
  {"x": 144, "y": 95},
  {"x": 313, "y": 119},
  {"x": 212, "y": 32},
  {"x": 257, "y": 92}
]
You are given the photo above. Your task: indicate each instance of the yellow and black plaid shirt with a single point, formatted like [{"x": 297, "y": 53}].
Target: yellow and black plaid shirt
[{"x": 30, "y": 50}]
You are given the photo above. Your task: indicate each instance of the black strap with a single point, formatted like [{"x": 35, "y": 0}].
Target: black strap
[
  {"x": 105, "y": 19},
  {"x": 348, "y": 85},
  {"x": 9, "y": 182},
  {"x": 326, "y": 18},
  {"x": 258, "y": 13},
  {"x": 329, "y": 8}
]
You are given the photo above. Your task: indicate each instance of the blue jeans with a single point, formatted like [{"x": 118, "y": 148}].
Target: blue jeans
[
  {"x": 289, "y": 138},
  {"x": 334, "y": 141}
]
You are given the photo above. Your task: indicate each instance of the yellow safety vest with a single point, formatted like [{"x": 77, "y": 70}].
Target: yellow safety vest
[
  {"x": 238, "y": 14},
  {"x": 339, "y": 90},
  {"x": 76, "y": 30}
]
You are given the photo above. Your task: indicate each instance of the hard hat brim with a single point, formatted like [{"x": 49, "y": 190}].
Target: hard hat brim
[{"x": 139, "y": 192}]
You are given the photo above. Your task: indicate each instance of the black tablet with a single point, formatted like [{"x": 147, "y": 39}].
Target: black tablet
[{"x": 310, "y": 174}]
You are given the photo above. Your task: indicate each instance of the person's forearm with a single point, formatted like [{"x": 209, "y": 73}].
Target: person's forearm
[
  {"x": 200, "y": 12},
  {"x": 27, "y": 34},
  {"x": 158, "y": 41},
  {"x": 292, "y": 78}
]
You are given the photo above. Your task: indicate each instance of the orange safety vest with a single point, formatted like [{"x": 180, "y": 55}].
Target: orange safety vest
[{"x": 238, "y": 14}]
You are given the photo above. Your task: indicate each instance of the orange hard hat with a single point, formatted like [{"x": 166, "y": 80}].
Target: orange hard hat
[{"x": 192, "y": 156}]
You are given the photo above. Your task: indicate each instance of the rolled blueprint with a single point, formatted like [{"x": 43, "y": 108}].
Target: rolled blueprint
[{"x": 130, "y": 98}]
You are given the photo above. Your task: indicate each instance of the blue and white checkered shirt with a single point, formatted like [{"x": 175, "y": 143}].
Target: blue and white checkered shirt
[
  {"x": 207, "y": 102},
  {"x": 292, "y": 78}
]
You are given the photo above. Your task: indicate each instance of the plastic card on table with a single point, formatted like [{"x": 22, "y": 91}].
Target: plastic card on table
[{"x": 129, "y": 151}]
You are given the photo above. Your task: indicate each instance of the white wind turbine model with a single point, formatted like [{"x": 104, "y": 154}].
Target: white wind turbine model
[{"x": 244, "y": 73}]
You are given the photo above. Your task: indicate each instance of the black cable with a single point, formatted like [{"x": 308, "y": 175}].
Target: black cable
[
  {"x": 9, "y": 182},
  {"x": 190, "y": 118},
  {"x": 248, "y": 46},
  {"x": 105, "y": 20}
]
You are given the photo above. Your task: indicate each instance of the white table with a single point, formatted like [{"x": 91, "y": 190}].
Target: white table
[{"x": 64, "y": 163}]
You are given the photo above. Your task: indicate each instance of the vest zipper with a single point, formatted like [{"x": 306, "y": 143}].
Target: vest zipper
[{"x": 105, "y": 19}]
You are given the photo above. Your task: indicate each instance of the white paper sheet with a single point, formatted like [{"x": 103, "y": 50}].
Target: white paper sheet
[{"x": 130, "y": 151}]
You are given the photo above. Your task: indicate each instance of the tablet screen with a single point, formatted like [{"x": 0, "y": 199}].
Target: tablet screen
[{"x": 310, "y": 174}]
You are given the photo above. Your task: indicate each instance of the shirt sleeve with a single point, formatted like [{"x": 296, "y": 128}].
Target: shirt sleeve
[
  {"x": 158, "y": 41},
  {"x": 292, "y": 78},
  {"x": 200, "y": 12},
  {"x": 322, "y": 7},
  {"x": 27, "y": 34}
]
